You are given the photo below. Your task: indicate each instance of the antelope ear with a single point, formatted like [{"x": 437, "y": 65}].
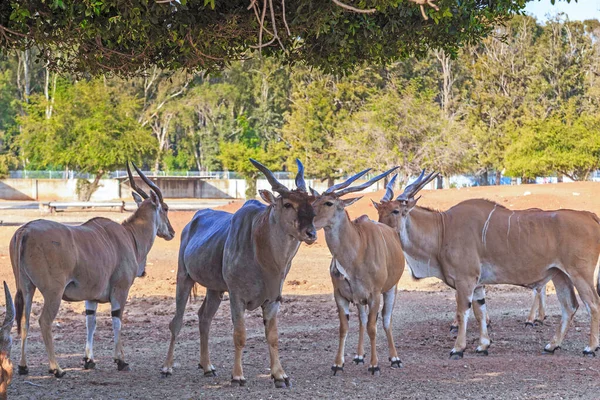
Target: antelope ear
[
  {"x": 348, "y": 202},
  {"x": 154, "y": 198},
  {"x": 375, "y": 204},
  {"x": 267, "y": 196},
  {"x": 412, "y": 203},
  {"x": 314, "y": 192},
  {"x": 137, "y": 198}
]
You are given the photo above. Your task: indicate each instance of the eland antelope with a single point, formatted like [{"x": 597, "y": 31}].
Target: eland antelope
[
  {"x": 6, "y": 368},
  {"x": 537, "y": 313},
  {"x": 247, "y": 254},
  {"x": 95, "y": 262},
  {"x": 367, "y": 263},
  {"x": 479, "y": 242}
]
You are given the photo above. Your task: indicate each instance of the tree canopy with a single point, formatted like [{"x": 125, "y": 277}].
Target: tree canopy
[
  {"x": 524, "y": 101},
  {"x": 127, "y": 37}
]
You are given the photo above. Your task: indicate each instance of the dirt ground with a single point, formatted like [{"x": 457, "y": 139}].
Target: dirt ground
[{"x": 514, "y": 369}]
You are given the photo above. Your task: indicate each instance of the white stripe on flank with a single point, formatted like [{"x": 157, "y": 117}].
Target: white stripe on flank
[
  {"x": 508, "y": 232},
  {"x": 487, "y": 225}
]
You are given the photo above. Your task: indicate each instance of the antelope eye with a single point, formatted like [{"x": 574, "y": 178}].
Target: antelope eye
[
  {"x": 328, "y": 203},
  {"x": 287, "y": 205},
  {"x": 396, "y": 212}
]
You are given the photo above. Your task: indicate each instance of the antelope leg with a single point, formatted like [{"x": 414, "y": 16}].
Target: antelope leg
[
  {"x": 49, "y": 311},
  {"x": 372, "y": 332},
  {"x": 464, "y": 298},
  {"x": 270, "y": 320},
  {"x": 27, "y": 291},
  {"x": 207, "y": 311},
  {"x": 480, "y": 311},
  {"x": 239, "y": 338},
  {"x": 343, "y": 307},
  {"x": 389, "y": 299},
  {"x": 568, "y": 305},
  {"x": 184, "y": 287},
  {"x": 90, "y": 324}
]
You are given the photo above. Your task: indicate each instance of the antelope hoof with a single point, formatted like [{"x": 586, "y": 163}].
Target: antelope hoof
[
  {"x": 538, "y": 322},
  {"x": 482, "y": 352},
  {"x": 23, "y": 370},
  {"x": 238, "y": 382},
  {"x": 211, "y": 371},
  {"x": 166, "y": 372},
  {"x": 336, "y": 368},
  {"x": 282, "y": 382},
  {"x": 529, "y": 324},
  {"x": 58, "y": 373},
  {"x": 359, "y": 359},
  {"x": 548, "y": 352},
  {"x": 374, "y": 370},
  {"x": 396, "y": 363},
  {"x": 587, "y": 352},
  {"x": 454, "y": 329},
  {"x": 456, "y": 355},
  {"x": 88, "y": 363},
  {"x": 122, "y": 365}
]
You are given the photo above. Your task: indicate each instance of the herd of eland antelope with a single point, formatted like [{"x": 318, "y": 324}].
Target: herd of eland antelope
[{"x": 249, "y": 254}]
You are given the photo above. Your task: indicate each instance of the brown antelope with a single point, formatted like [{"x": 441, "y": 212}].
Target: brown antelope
[
  {"x": 367, "y": 263},
  {"x": 479, "y": 242},
  {"x": 6, "y": 368},
  {"x": 95, "y": 262},
  {"x": 247, "y": 254}
]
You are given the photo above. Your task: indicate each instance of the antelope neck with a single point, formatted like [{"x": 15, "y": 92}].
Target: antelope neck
[
  {"x": 274, "y": 247},
  {"x": 142, "y": 228},
  {"x": 339, "y": 233}
]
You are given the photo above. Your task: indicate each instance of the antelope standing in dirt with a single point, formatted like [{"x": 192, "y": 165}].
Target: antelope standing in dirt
[
  {"x": 6, "y": 368},
  {"x": 247, "y": 254},
  {"x": 367, "y": 263},
  {"x": 95, "y": 262},
  {"x": 537, "y": 313},
  {"x": 479, "y": 242}
]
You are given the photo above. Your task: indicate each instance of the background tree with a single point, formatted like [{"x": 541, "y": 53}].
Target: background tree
[
  {"x": 566, "y": 143},
  {"x": 93, "y": 129}
]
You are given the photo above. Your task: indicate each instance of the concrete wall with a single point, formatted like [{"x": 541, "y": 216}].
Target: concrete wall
[
  {"x": 110, "y": 189},
  {"x": 53, "y": 189}
]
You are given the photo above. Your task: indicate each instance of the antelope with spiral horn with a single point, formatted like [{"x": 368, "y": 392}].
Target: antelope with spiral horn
[
  {"x": 367, "y": 264},
  {"x": 95, "y": 262},
  {"x": 247, "y": 254}
]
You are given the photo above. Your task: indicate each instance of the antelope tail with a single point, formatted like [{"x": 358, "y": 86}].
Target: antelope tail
[
  {"x": 19, "y": 300},
  {"x": 19, "y": 304}
]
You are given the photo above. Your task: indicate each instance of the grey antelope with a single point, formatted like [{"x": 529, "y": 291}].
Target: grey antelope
[
  {"x": 247, "y": 254},
  {"x": 6, "y": 368},
  {"x": 96, "y": 262},
  {"x": 479, "y": 242},
  {"x": 367, "y": 263}
]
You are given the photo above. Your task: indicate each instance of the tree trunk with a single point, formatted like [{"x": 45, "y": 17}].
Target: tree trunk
[
  {"x": 85, "y": 189},
  {"x": 330, "y": 181},
  {"x": 559, "y": 178},
  {"x": 483, "y": 178},
  {"x": 497, "y": 181},
  {"x": 439, "y": 182},
  {"x": 250, "y": 188}
]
